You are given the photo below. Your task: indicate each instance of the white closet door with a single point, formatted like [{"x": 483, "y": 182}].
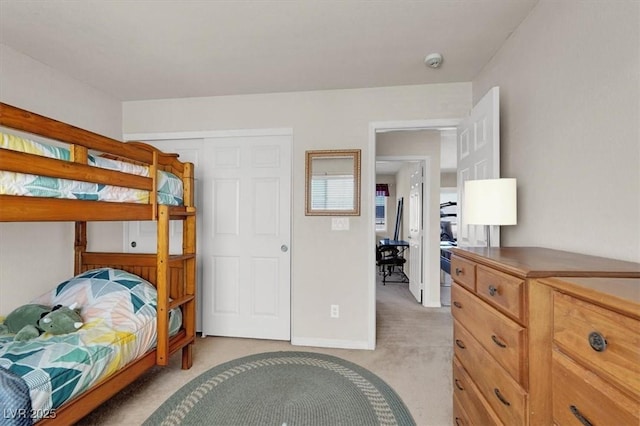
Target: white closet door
[
  {"x": 243, "y": 197},
  {"x": 246, "y": 237},
  {"x": 141, "y": 237}
]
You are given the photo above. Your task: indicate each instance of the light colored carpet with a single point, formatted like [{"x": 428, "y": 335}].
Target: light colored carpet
[{"x": 413, "y": 356}]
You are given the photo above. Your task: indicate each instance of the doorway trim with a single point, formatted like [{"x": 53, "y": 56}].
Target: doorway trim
[{"x": 374, "y": 128}]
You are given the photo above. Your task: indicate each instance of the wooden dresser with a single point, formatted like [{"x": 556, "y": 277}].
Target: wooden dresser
[
  {"x": 511, "y": 336},
  {"x": 595, "y": 355}
]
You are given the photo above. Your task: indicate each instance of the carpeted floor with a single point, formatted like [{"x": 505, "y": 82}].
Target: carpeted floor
[{"x": 413, "y": 356}]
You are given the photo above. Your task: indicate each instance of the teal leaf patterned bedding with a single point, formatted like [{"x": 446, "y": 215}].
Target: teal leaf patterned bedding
[
  {"x": 170, "y": 188},
  {"x": 119, "y": 313}
]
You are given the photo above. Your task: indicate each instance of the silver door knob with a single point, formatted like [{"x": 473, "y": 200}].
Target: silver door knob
[{"x": 284, "y": 248}]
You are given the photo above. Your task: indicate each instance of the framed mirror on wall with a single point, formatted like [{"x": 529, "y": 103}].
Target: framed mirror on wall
[{"x": 332, "y": 183}]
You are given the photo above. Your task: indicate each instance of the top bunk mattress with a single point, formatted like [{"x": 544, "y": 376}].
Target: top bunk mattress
[{"x": 170, "y": 187}]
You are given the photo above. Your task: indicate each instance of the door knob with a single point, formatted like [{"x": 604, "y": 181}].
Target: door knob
[
  {"x": 133, "y": 244},
  {"x": 284, "y": 248}
]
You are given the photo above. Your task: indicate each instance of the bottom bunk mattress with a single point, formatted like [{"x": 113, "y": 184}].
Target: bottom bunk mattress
[{"x": 119, "y": 314}]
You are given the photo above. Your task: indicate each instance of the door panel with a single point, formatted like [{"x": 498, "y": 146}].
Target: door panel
[
  {"x": 265, "y": 287},
  {"x": 225, "y": 298},
  {"x": 225, "y": 212},
  {"x": 478, "y": 152}
]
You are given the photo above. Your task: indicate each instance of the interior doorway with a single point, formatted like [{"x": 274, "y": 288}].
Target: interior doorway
[
  {"x": 430, "y": 204},
  {"x": 399, "y": 211}
]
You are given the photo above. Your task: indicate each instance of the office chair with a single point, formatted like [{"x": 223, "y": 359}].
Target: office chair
[{"x": 387, "y": 260}]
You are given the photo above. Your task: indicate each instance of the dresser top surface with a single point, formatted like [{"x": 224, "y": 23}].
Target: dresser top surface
[
  {"x": 626, "y": 290},
  {"x": 536, "y": 262}
]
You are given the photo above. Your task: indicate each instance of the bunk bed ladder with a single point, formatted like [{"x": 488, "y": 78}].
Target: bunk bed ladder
[
  {"x": 186, "y": 296},
  {"x": 190, "y": 271},
  {"x": 162, "y": 285},
  {"x": 189, "y": 248}
]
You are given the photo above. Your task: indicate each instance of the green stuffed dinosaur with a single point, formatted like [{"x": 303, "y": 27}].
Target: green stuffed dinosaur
[
  {"x": 61, "y": 320},
  {"x": 31, "y": 320}
]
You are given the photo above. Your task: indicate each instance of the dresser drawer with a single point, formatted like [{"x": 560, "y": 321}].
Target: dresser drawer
[
  {"x": 503, "y": 338},
  {"x": 469, "y": 408},
  {"x": 504, "y": 291},
  {"x": 500, "y": 390},
  {"x": 606, "y": 342},
  {"x": 460, "y": 416},
  {"x": 463, "y": 272},
  {"x": 579, "y": 396}
]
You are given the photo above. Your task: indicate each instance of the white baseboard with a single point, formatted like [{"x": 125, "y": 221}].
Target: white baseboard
[{"x": 331, "y": 343}]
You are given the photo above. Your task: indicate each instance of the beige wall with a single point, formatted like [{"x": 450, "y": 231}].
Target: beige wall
[
  {"x": 327, "y": 267},
  {"x": 569, "y": 80},
  {"x": 448, "y": 180},
  {"x": 36, "y": 257}
]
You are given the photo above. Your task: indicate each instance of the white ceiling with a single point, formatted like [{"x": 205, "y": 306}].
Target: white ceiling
[{"x": 153, "y": 49}]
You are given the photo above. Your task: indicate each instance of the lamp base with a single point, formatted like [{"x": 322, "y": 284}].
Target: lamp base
[{"x": 488, "y": 231}]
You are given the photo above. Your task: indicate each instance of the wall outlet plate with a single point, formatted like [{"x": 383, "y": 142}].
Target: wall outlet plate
[{"x": 335, "y": 311}]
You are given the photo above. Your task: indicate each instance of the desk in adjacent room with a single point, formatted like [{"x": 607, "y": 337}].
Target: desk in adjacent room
[{"x": 399, "y": 244}]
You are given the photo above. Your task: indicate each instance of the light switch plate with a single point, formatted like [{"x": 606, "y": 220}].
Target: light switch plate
[{"x": 339, "y": 223}]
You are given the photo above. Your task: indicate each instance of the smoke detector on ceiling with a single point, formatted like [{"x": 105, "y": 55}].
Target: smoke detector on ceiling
[{"x": 434, "y": 60}]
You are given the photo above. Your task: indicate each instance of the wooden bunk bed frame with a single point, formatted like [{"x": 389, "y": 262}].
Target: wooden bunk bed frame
[{"x": 174, "y": 276}]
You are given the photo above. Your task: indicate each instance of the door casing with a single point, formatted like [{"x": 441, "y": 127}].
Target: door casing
[{"x": 431, "y": 256}]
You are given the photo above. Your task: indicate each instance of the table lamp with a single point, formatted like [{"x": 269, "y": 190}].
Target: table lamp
[{"x": 490, "y": 202}]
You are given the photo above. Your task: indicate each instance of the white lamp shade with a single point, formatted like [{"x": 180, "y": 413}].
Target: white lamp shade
[{"x": 490, "y": 202}]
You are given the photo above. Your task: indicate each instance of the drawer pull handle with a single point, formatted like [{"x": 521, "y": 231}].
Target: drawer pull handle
[
  {"x": 460, "y": 344},
  {"x": 458, "y": 385},
  {"x": 501, "y": 398},
  {"x": 457, "y": 304},
  {"x": 492, "y": 290},
  {"x": 597, "y": 341},
  {"x": 579, "y": 416},
  {"x": 458, "y": 271},
  {"x": 497, "y": 341}
]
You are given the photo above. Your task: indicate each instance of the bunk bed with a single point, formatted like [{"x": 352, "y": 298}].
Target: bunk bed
[{"x": 88, "y": 158}]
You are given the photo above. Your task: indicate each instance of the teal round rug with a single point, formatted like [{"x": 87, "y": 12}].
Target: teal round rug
[{"x": 284, "y": 388}]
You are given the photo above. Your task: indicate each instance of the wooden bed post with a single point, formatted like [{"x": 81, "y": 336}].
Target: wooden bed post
[
  {"x": 153, "y": 196},
  {"x": 80, "y": 246}
]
